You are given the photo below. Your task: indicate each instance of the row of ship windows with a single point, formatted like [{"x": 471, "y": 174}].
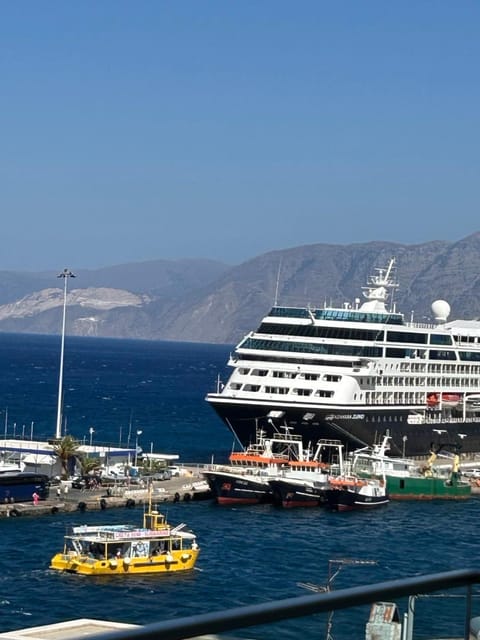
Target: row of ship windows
[
  {"x": 357, "y": 352},
  {"x": 328, "y": 377},
  {"x": 404, "y": 366},
  {"x": 434, "y": 383},
  {"x": 386, "y": 380},
  {"x": 430, "y": 383},
  {"x": 420, "y": 367},
  {"x": 394, "y": 381},
  {"x": 320, "y": 393},
  {"x": 346, "y": 315},
  {"x": 342, "y": 333},
  {"x": 371, "y": 335}
]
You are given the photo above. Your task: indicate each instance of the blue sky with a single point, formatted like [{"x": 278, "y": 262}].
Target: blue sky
[{"x": 141, "y": 130}]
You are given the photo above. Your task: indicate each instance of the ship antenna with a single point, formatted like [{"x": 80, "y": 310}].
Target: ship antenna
[{"x": 277, "y": 284}]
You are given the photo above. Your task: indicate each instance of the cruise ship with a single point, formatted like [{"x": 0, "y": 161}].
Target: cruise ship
[{"x": 357, "y": 373}]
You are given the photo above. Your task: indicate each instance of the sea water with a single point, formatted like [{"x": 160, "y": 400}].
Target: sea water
[{"x": 249, "y": 555}]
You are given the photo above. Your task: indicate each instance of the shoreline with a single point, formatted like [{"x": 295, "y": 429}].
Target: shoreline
[{"x": 184, "y": 488}]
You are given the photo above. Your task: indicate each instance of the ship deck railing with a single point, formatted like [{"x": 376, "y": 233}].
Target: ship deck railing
[{"x": 327, "y": 602}]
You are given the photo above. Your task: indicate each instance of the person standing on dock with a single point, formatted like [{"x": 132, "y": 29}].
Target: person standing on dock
[{"x": 35, "y": 497}]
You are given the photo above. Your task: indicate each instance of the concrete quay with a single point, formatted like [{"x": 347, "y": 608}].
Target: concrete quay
[{"x": 189, "y": 486}]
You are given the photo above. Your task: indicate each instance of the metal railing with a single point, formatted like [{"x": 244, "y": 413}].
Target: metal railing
[{"x": 286, "y": 609}]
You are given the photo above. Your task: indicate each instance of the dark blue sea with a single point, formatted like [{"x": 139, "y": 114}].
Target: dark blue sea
[{"x": 248, "y": 555}]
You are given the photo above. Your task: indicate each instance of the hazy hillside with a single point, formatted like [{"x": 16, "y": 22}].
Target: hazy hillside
[{"x": 206, "y": 301}]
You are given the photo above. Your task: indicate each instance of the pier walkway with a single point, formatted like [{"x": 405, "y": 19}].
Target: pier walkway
[{"x": 189, "y": 486}]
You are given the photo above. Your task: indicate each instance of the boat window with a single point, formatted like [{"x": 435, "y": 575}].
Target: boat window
[
  {"x": 251, "y": 387},
  {"x": 396, "y": 353},
  {"x": 328, "y": 377},
  {"x": 437, "y": 354},
  {"x": 279, "y": 390},
  {"x": 441, "y": 339},
  {"x": 468, "y": 355},
  {"x": 407, "y": 336},
  {"x": 323, "y": 393},
  {"x": 140, "y": 549}
]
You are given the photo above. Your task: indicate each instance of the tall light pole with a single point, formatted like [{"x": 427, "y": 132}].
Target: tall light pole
[
  {"x": 139, "y": 433},
  {"x": 91, "y": 432},
  {"x": 66, "y": 274}
]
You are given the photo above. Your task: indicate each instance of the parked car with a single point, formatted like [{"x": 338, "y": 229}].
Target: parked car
[
  {"x": 162, "y": 475},
  {"x": 86, "y": 482},
  {"x": 471, "y": 473},
  {"x": 78, "y": 483},
  {"x": 174, "y": 470}
]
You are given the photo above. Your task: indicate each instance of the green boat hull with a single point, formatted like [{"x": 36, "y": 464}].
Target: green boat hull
[{"x": 427, "y": 488}]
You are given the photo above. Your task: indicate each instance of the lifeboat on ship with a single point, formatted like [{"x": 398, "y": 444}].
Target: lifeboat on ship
[
  {"x": 432, "y": 399},
  {"x": 445, "y": 399},
  {"x": 451, "y": 399}
]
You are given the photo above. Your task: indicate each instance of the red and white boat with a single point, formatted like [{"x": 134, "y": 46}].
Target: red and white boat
[{"x": 246, "y": 479}]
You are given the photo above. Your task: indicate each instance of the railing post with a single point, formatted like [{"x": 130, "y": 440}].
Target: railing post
[
  {"x": 468, "y": 612},
  {"x": 410, "y": 617}
]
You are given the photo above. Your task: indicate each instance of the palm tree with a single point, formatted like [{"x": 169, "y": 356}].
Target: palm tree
[
  {"x": 65, "y": 449},
  {"x": 89, "y": 464}
]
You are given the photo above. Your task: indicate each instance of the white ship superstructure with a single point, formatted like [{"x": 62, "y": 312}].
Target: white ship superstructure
[{"x": 357, "y": 372}]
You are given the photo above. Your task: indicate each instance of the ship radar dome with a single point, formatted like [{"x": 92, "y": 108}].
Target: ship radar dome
[{"x": 440, "y": 310}]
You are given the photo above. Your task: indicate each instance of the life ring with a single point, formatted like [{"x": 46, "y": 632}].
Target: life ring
[
  {"x": 130, "y": 503},
  {"x": 103, "y": 504},
  {"x": 176, "y": 497},
  {"x": 14, "y": 513},
  {"x": 187, "y": 497},
  {"x": 82, "y": 506},
  {"x": 54, "y": 510}
]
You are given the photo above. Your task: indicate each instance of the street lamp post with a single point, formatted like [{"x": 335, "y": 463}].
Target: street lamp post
[
  {"x": 91, "y": 431},
  {"x": 139, "y": 433},
  {"x": 66, "y": 274},
  {"x": 404, "y": 438}
]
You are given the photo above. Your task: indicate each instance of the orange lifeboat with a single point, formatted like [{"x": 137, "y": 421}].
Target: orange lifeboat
[
  {"x": 432, "y": 399},
  {"x": 451, "y": 399}
]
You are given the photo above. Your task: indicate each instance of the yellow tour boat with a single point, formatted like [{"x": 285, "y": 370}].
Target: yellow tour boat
[{"x": 126, "y": 550}]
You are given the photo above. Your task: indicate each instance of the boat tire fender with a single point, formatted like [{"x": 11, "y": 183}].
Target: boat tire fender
[
  {"x": 14, "y": 513},
  {"x": 103, "y": 504},
  {"x": 187, "y": 497},
  {"x": 82, "y": 506},
  {"x": 176, "y": 497},
  {"x": 130, "y": 503},
  {"x": 54, "y": 510}
]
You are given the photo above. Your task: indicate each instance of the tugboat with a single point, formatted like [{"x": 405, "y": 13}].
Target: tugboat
[{"x": 127, "y": 550}]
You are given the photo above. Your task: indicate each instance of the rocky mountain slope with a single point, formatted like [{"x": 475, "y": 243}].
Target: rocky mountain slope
[{"x": 207, "y": 301}]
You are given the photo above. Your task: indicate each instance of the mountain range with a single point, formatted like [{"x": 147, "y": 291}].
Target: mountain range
[{"x": 212, "y": 302}]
